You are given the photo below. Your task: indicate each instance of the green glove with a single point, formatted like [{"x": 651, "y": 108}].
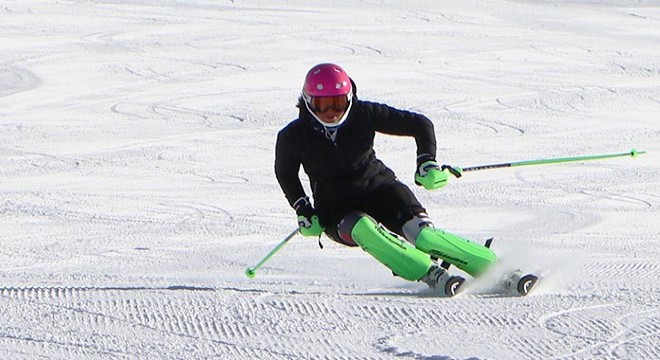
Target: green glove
[
  {"x": 310, "y": 226},
  {"x": 308, "y": 220},
  {"x": 431, "y": 176}
]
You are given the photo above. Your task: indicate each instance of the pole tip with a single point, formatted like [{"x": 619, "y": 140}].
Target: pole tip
[
  {"x": 250, "y": 272},
  {"x": 635, "y": 153}
]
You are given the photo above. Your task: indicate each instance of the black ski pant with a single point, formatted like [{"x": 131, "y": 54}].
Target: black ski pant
[{"x": 391, "y": 204}]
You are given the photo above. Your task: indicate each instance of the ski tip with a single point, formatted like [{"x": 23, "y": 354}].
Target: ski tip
[
  {"x": 454, "y": 285},
  {"x": 526, "y": 284}
]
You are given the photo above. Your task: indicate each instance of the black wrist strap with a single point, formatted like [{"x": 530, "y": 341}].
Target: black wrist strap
[{"x": 452, "y": 170}]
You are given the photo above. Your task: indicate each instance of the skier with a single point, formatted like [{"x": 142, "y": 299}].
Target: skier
[{"x": 358, "y": 201}]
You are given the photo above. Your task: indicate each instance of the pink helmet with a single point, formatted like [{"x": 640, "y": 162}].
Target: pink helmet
[{"x": 327, "y": 80}]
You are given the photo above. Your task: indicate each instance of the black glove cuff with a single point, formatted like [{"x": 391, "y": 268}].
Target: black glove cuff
[
  {"x": 304, "y": 207},
  {"x": 422, "y": 158}
]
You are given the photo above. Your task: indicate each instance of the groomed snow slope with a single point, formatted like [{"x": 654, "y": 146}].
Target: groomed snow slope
[{"x": 136, "y": 181}]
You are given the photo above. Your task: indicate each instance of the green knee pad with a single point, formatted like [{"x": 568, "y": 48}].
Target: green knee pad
[
  {"x": 398, "y": 255},
  {"x": 468, "y": 256}
]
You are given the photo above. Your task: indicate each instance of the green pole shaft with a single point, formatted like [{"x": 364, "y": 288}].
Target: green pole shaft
[
  {"x": 631, "y": 153},
  {"x": 252, "y": 271}
]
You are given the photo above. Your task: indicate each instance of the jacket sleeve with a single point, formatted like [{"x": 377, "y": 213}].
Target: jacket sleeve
[
  {"x": 393, "y": 121},
  {"x": 287, "y": 166}
]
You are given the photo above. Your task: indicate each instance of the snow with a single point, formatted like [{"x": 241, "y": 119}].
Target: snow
[{"x": 136, "y": 178}]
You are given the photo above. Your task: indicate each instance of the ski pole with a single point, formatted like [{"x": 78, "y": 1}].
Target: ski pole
[
  {"x": 251, "y": 272},
  {"x": 631, "y": 153}
]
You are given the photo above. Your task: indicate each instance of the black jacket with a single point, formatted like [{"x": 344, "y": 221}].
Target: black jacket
[{"x": 346, "y": 168}]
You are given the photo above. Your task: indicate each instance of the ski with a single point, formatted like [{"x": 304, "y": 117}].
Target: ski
[
  {"x": 502, "y": 282},
  {"x": 498, "y": 279}
]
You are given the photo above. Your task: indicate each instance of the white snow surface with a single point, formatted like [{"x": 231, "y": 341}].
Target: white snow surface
[{"x": 136, "y": 162}]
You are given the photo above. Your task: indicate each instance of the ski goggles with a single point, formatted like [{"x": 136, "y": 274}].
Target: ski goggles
[{"x": 321, "y": 104}]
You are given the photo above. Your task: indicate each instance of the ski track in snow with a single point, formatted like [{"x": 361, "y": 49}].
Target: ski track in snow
[{"x": 136, "y": 155}]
